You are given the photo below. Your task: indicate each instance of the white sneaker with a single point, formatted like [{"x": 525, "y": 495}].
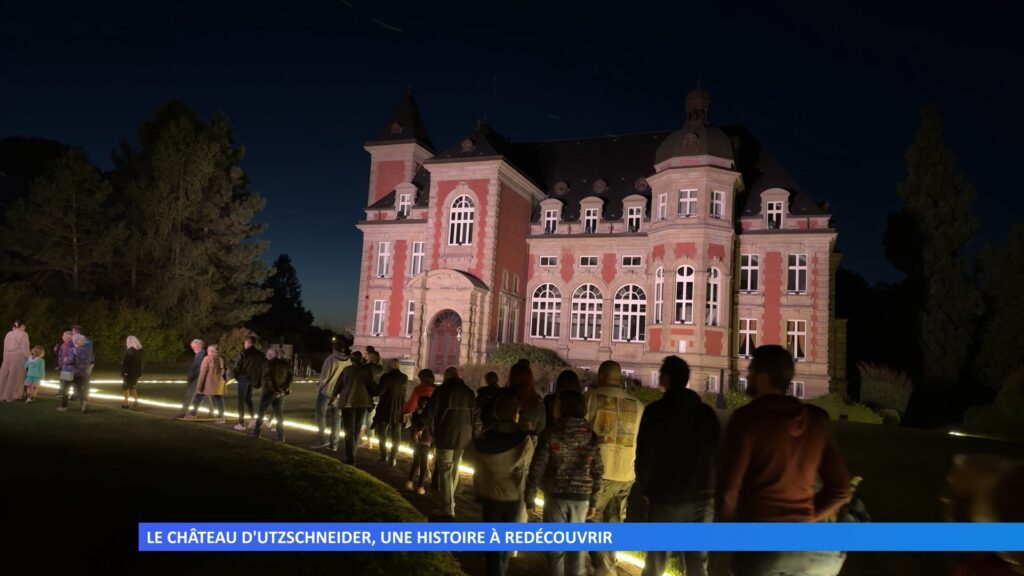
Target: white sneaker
[
  {"x": 240, "y": 427},
  {"x": 251, "y": 424}
]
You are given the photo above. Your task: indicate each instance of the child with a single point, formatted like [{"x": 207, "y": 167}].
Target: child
[
  {"x": 35, "y": 367},
  {"x": 422, "y": 438}
]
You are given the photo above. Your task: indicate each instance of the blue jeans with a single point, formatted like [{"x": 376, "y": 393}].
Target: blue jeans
[
  {"x": 786, "y": 563},
  {"x": 559, "y": 510},
  {"x": 320, "y": 415},
  {"x": 244, "y": 398},
  {"x": 353, "y": 418},
  {"x": 277, "y": 402},
  {"x": 702, "y": 510},
  {"x": 611, "y": 507},
  {"x": 498, "y": 511},
  {"x": 448, "y": 483}
]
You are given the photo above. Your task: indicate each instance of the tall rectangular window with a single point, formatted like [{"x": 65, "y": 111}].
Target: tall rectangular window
[
  {"x": 410, "y": 315},
  {"x": 662, "y": 206},
  {"x": 590, "y": 220},
  {"x": 748, "y": 336},
  {"x": 687, "y": 203},
  {"x": 659, "y": 295},
  {"x": 404, "y": 205},
  {"x": 796, "y": 338},
  {"x": 684, "y": 295},
  {"x": 711, "y": 385},
  {"x": 633, "y": 217},
  {"x": 502, "y": 316},
  {"x": 513, "y": 323},
  {"x": 550, "y": 221},
  {"x": 418, "y": 251},
  {"x": 717, "y": 204},
  {"x": 748, "y": 272},
  {"x": 711, "y": 310},
  {"x": 796, "y": 279},
  {"x": 383, "y": 259},
  {"x": 377, "y": 326},
  {"x": 796, "y": 389},
  {"x": 774, "y": 218},
  {"x": 741, "y": 385}
]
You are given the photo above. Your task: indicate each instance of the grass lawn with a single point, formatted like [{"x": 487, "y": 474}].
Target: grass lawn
[{"x": 76, "y": 485}]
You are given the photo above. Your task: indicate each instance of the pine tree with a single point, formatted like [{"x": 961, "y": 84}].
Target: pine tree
[
  {"x": 196, "y": 259},
  {"x": 286, "y": 317},
  {"x": 924, "y": 240},
  {"x": 1002, "y": 275},
  {"x": 63, "y": 235}
]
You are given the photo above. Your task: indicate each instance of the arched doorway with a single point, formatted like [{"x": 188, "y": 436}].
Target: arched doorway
[{"x": 445, "y": 339}]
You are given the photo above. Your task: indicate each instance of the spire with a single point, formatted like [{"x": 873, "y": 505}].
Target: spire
[
  {"x": 405, "y": 125},
  {"x": 698, "y": 101}
]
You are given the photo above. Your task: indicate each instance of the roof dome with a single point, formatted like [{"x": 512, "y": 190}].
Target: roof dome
[
  {"x": 696, "y": 137},
  {"x": 695, "y": 140}
]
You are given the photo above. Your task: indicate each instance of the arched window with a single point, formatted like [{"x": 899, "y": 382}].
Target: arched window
[
  {"x": 684, "y": 295},
  {"x": 460, "y": 221},
  {"x": 711, "y": 312},
  {"x": 586, "y": 313},
  {"x": 629, "y": 318},
  {"x": 546, "y": 315},
  {"x": 659, "y": 294}
]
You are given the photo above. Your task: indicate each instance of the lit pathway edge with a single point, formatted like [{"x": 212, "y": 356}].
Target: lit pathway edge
[{"x": 469, "y": 537}]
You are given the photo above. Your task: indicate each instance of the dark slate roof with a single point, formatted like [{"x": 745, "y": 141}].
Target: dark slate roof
[
  {"x": 482, "y": 142},
  {"x": 695, "y": 139},
  {"x": 762, "y": 172},
  {"x": 405, "y": 125}
]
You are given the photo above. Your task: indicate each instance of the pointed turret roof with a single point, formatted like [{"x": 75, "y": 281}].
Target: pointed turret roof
[{"x": 405, "y": 125}]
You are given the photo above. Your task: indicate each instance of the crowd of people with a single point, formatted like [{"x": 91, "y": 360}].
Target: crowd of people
[{"x": 592, "y": 453}]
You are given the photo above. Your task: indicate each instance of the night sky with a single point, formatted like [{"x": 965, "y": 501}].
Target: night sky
[{"x": 834, "y": 93}]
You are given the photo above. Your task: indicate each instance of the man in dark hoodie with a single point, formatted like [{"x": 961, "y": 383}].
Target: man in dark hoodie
[
  {"x": 248, "y": 374},
  {"x": 387, "y": 420},
  {"x": 485, "y": 397},
  {"x": 775, "y": 449},
  {"x": 675, "y": 457},
  {"x": 453, "y": 411}
]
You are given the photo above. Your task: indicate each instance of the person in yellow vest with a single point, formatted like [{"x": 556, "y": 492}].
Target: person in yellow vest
[{"x": 614, "y": 414}]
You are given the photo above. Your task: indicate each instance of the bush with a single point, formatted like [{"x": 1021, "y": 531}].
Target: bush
[
  {"x": 108, "y": 324},
  {"x": 644, "y": 394},
  {"x": 889, "y": 417},
  {"x": 41, "y": 316},
  {"x": 883, "y": 387},
  {"x": 1006, "y": 414},
  {"x": 836, "y": 406},
  {"x": 511, "y": 353}
]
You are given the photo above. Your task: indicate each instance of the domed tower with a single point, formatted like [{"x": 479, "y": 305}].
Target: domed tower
[
  {"x": 697, "y": 103},
  {"x": 696, "y": 137}
]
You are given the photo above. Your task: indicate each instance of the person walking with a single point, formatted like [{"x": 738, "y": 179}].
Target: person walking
[
  {"x": 276, "y": 384},
  {"x": 502, "y": 456},
  {"x": 522, "y": 385},
  {"x": 453, "y": 412},
  {"x": 192, "y": 376},
  {"x": 485, "y": 397},
  {"x": 329, "y": 375},
  {"x": 567, "y": 380},
  {"x": 421, "y": 436},
  {"x": 35, "y": 368},
  {"x": 211, "y": 383},
  {"x": 351, "y": 397},
  {"x": 387, "y": 420},
  {"x": 567, "y": 466},
  {"x": 12, "y": 370},
  {"x": 65, "y": 352},
  {"x": 776, "y": 447},
  {"x": 675, "y": 459},
  {"x": 425, "y": 388},
  {"x": 248, "y": 371},
  {"x": 76, "y": 331},
  {"x": 614, "y": 414},
  {"x": 81, "y": 363},
  {"x": 131, "y": 371}
]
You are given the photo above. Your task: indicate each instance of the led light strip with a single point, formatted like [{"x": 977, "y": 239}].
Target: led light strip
[{"x": 403, "y": 448}]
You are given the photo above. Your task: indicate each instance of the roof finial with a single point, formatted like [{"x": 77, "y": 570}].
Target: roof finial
[{"x": 697, "y": 102}]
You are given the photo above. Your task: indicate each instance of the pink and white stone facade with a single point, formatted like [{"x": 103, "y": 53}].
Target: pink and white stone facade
[{"x": 691, "y": 242}]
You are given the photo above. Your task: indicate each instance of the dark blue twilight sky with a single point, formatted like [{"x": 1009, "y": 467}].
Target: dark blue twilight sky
[{"x": 833, "y": 91}]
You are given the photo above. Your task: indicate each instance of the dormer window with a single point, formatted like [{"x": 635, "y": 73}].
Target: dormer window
[
  {"x": 634, "y": 216},
  {"x": 404, "y": 208},
  {"x": 550, "y": 221},
  {"x": 590, "y": 220},
  {"x": 774, "y": 215}
]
